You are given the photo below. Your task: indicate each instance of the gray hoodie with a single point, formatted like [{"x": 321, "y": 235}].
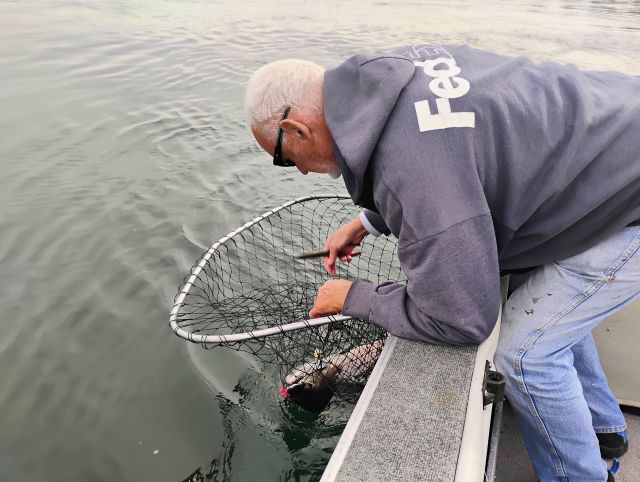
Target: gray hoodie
[{"x": 478, "y": 163}]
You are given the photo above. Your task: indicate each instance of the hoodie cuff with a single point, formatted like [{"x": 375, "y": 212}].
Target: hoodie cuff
[
  {"x": 367, "y": 225},
  {"x": 358, "y": 300}
]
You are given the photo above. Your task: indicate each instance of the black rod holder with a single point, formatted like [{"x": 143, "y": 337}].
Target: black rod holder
[{"x": 492, "y": 386}]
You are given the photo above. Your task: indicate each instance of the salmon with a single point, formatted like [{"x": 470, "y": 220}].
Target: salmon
[{"x": 312, "y": 385}]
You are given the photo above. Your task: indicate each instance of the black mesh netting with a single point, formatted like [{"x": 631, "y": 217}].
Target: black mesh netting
[{"x": 252, "y": 281}]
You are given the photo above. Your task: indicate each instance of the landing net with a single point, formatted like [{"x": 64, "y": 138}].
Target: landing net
[{"x": 249, "y": 293}]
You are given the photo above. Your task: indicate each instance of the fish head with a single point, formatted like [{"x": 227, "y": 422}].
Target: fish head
[{"x": 310, "y": 395}]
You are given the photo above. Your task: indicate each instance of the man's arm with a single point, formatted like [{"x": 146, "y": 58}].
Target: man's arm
[{"x": 452, "y": 295}]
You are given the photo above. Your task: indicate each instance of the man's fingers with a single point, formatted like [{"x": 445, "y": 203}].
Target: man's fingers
[
  {"x": 333, "y": 254},
  {"x": 348, "y": 257},
  {"x": 325, "y": 259},
  {"x": 338, "y": 250},
  {"x": 330, "y": 261},
  {"x": 327, "y": 266}
]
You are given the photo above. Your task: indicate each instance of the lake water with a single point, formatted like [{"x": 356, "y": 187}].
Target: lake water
[{"x": 123, "y": 155}]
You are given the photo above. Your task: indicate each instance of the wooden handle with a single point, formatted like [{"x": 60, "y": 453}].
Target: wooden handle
[{"x": 321, "y": 254}]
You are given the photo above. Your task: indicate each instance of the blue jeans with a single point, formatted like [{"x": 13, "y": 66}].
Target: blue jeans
[{"x": 554, "y": 380}]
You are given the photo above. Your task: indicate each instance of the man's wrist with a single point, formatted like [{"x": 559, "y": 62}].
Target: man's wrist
[{"x": 366, "y": 226}]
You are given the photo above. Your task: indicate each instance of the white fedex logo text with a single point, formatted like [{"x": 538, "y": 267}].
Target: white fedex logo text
[{"x": 446, "y": 85}]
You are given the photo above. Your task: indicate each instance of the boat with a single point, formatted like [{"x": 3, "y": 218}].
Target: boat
[{"x": 431, "y": 412}]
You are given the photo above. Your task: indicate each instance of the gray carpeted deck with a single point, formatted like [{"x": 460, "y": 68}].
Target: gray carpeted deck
[{"x": 413, "y": 424}]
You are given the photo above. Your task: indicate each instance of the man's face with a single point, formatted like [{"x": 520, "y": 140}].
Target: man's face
[{"x": 311, "y": 150}]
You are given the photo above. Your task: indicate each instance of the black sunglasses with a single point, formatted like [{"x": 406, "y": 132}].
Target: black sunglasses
[{"x": 277, "y": 152}]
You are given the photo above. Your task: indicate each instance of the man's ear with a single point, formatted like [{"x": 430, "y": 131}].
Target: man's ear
[{"x": 296, "y": 128}]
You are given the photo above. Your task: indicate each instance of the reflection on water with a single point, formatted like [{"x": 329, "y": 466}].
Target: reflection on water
[{"x": 124, "y": 154}]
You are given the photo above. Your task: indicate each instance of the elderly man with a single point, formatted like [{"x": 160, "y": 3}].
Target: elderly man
[{"x": 481, "y": 164}]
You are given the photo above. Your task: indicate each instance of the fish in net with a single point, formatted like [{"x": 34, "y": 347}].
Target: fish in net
[{"x": 251, "y": 292}]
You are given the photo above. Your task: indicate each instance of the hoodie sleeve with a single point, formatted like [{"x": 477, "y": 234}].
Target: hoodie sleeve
[
  {"x": 453, "y": 291},
  {"x": 374, "y": 223}
]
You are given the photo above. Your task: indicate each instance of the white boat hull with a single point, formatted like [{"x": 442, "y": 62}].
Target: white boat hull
[{"x": 617, "y": 339}]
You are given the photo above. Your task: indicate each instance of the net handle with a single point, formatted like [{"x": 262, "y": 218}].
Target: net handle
[
  {"x": 173, "y": 318},
  {"x": 253, "y": 335}
]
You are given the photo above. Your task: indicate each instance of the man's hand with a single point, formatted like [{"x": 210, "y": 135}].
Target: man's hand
[
  {"x": 341, "y": 243},
  {"x": 330, "y": 298}
]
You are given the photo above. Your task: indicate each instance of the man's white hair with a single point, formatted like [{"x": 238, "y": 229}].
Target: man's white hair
[{"x": 276, "y": 85}]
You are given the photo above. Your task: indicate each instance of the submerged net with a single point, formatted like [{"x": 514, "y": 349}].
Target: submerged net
[{"x": 250, "y": 281}]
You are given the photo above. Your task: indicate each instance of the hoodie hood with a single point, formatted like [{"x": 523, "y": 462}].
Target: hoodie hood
[{"x": 359, "y": 96}]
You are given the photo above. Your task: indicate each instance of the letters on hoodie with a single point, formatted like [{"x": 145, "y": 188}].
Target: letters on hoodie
[{"x": 445, "y": 83}]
